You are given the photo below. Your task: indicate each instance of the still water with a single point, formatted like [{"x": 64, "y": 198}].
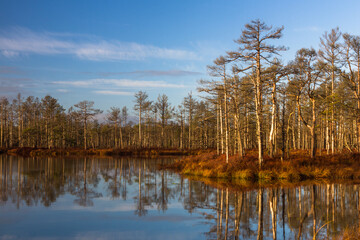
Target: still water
[{"x": 128, "y": 198}]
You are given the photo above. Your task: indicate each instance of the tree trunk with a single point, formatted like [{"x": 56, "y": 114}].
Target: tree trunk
[
  {"x": 217, "y": 130},
  {"x": 221, "y": 129},
  {"x": 273, "y": 122},
  {"x": 121, "y": 136},
  {"x": 313, "y": 130},
  {"x": 258, "y": 105},
  {"x": 85, "y": 134},
  {"x": 140, "y": 140},
  {"x": 226, "y": 122}
]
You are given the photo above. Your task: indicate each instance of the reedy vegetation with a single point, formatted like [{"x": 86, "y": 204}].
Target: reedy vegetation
[{"x": 252, "y": 101}]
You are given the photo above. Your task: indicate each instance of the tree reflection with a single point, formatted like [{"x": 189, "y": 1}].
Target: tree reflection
[
  {"x": 273, "y": 210},
  {"x": 140, "y": 207},
  {"x": 301, "y": 212},
  {"x": 260, "y": 214},
  {"x": 85, "y": 194},
  {"x": 114, "y": 185}
]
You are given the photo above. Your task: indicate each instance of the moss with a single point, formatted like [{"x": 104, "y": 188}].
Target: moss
[
  {"x": 244, "y": 174},
  {"x": 209, "y": 173},
  {"x": 290, "y": 175},
  {"x": 321, "y": 172},
  {"x": 266, "y": 175},
  {"x": 222, "y": 175},
  {"x": 346, "y": 173},
  {"x": 187, "y": 172}
]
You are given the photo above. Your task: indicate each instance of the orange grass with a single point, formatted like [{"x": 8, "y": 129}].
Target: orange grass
[
  {"x": 352, "y": 233},
  {"x": 298, "y": 167}
]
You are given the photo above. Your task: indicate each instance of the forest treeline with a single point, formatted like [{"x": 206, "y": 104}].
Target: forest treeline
[
  {"x": 45, "y": 123},
  {"x": 252, "y": 100}
]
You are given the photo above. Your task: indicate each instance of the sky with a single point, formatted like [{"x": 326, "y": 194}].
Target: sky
[{"x": 106, "y": 51}]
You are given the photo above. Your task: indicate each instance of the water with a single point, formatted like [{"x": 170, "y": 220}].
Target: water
[{"x": 128, "y": 198}]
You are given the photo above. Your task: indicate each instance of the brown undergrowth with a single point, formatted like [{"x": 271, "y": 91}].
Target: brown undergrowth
[
  {"x": 352, "y": 233},
  {"x": 298, "y": 167},
  {"x": 148, "y": 152}
]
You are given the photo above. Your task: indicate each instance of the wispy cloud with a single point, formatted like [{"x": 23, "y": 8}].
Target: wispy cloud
[
  {"x": 62, "y": 90},
  {"x": 24, "y": 41},
  {"x": 148, "y": 73},
  {"x": 11, "y": 85},
  {"x": 129, "y": 51},
  {"x": 21, "y": 40},
  {"x": 111, "y": 92},
  {"x": 307, "y": 29},
  {"x": 123, "y": 83},
  {"x": 11, "y": 70}
]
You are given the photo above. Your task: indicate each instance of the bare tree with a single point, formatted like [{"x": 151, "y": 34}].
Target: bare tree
[
  {"x": 330, "y": 53},
  {"x": 351, "y": 57},
  {"x": 114, "y": 118},
  {"x": 253, "y": 51},
  {"x": 306, "y": 82},
  {"x": 165, "y": 111},
  {"x": 219, "y": 70},
  {"x": 141, "y": 104},
  {"x": 189, "y": 104},
  {"x": 50, "y": 108},
  {"x": 86, "y": 112},
  {"x": 274, "y": 74}
]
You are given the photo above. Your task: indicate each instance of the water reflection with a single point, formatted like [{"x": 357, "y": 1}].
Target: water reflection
[{"x": 302, "y": 212}]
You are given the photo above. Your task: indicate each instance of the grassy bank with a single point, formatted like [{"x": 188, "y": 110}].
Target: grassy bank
[
  {"x": 297, "y": 168},
  {"x": 146, "y": 152}
]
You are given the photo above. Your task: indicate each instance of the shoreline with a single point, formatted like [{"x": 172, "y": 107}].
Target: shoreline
[
  {"x": 299, "y": 167},
  {"x": 55, "y": 152}
]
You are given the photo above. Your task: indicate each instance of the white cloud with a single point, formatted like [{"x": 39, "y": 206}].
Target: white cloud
[
  {"x": 63, "y": 90},
  {"x": 23, "y": 41},
  {"x": 147, "y": 73},
  {"x": 111, "y": 92},
  {"x": 9, "y": 54},
  {"x": 125, "y": 83},
  {"x": 129, "y": 51}
]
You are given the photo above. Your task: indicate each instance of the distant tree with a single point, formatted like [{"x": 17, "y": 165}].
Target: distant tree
[
  {"x": 165, "y": 111},
  {"x": 114, "y": 118},
  {"x": 50, "y": 108},
  {"x": 124, "y": 115},
  {"x": 20, "y": 123},
  {"x": 124, "y": 120},
  {"x": 141, "y": 104},
  {"x": 4, "y": 108},
  {"x": 180, "y": 116},
  {"x": 189, "y": 105},
  {"x": 86, "y": 112}
]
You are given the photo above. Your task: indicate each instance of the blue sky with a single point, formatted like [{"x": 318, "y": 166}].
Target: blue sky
[{"x": 106, "y": 51}]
